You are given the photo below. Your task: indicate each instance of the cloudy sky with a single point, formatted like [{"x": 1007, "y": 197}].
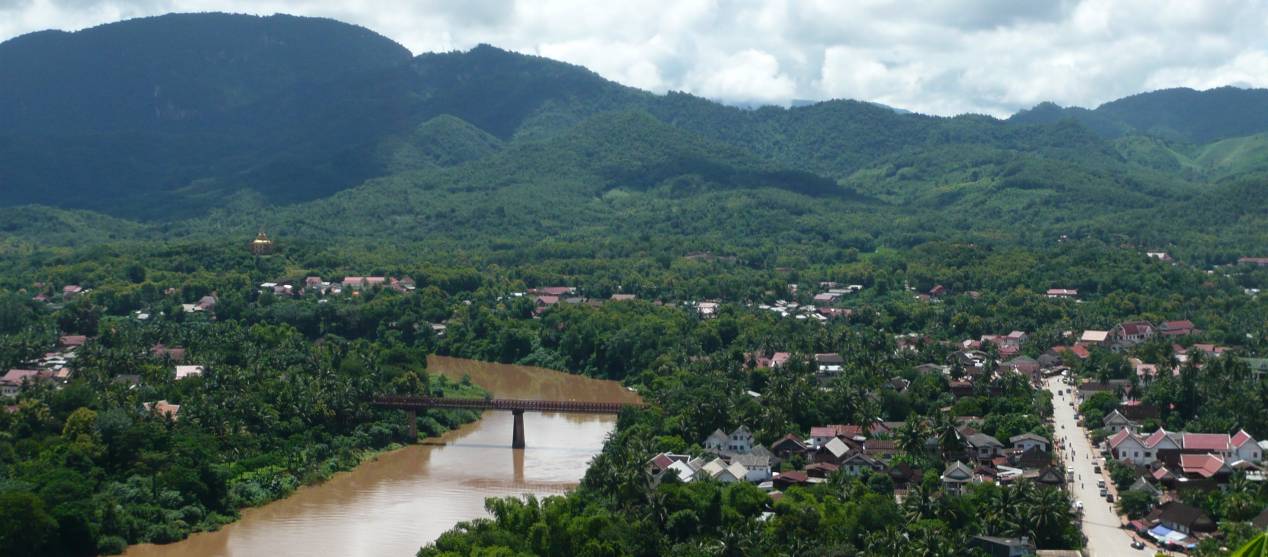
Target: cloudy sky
[{"x": 932, "y": 56}]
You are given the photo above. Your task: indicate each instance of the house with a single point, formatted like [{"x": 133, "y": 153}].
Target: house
[
  {"x": 937, "y": 291},
  {"x": 883, "y": 449},
  {"x": 1051, "y": 476},
  {"x": 717, "y": 441},
  {"x": 821, "y": 434},
  {"x": 1245, "y": 447},
  {"x": 188, "y": 371},
  {"x": 826, "y": 298},
  {"x": 1023, "y": 365},
  {"x": 757, "y": 466},
  {"x": 789, "y": 479},
  {"x": 205, "y": 303},
  {"x": 1257, "y": 261},
  {"x": 829, "y": 363},
  {"x": 1003, "y": 547},
  {"x": 1142, "y": 485},
  {"x": 1258, "y": 366},
  {"x": 623, "y": 297},
  {"x": 71, "y": 290},
  {"x": 1159, "y": 255},
  {"x": 163, "y": 408},
  {"x": 821, "y": 469},
  {"x": 983, "y": 446},
  {"x": 719, "y": 470},
  {"x": 858, "y": 464},
  {"x": 1204, "y": 466},
  {"x": 556, "y": 291},
  {"x": 707, "y": 309},
  {"x": 955, "y": 477},
  {"x": 1126, "y": 446},
  {"x": 1027, "y": 441},
  {"x": 833, "y": 451},
  {"x": 1094, "y": 338},
  {"x": 1128, "y": 334},
  {"x": 1063, "y": 293},
  {"x": 740, "y": 441},
  {"x": 1210, "y": 350},
  {"x": 1182, "y": 518},
  {"x": 1177, "y": 328},
  {"x": 787, "y": 446},
  {"x": 12, "y": 381},
  {"x": 1206, "y": 443},
  {"x": 1115, "y": 421},
  {"x": 71, "y": 342},
  {"x": 174, "y": 353}
]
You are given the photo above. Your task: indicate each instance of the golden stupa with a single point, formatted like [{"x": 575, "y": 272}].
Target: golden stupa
[{"x": 262, "y": 245}]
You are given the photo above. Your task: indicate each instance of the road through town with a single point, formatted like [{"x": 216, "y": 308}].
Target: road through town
[{"x": 1101, "y": 524}]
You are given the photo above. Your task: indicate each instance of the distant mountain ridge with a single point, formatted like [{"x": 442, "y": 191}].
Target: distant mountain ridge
[
  {"x": 1179, "y": 114},
  {"x": 168, "y": 118}
]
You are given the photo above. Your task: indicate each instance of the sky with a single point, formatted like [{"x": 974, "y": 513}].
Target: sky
[{"x": 932, "y": 56}]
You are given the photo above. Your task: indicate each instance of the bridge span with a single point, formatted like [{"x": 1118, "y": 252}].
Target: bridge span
[{"x": 413, "y": 404}]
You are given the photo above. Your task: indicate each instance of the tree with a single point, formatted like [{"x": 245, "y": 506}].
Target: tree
[
  {"x": 1135, "y": 503},
  {"x": 25, "y": 527}
]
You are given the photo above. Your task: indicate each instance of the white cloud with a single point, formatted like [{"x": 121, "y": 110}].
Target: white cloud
[
  {"x": 935, "y": 56},
  {"x": 747, "y": 76}
]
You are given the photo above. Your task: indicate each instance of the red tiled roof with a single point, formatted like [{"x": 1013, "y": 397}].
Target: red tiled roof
[
  {"x": 1205, "y": 442},
  {"x": 72, "y": 340},
  {"x": 1118, "y": 438},
  {"x": 662, "y": 462},
  {"x": 1162, "y": 474},
  {"x": 1155, "y": 438},
  {"x": 1205, "y": 465},
  {"x": 1241, "y": 438}
]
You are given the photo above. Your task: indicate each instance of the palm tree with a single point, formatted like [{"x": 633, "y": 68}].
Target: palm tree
[{"x": 912, "y": 437}]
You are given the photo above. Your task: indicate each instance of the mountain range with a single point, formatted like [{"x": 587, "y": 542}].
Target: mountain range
[{"x": 205, "y": 123}]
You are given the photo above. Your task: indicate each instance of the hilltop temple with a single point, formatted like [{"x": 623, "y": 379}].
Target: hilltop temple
[{"x": 262, "y": 245}]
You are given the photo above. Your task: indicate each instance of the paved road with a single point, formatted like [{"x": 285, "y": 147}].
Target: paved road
[{"x": 1101, "y": 524}]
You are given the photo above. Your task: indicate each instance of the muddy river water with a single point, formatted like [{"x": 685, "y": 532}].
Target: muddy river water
[{"x": 406, "y": 498}]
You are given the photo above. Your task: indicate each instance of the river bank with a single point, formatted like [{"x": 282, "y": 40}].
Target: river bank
[{"x": 403, "y": 499}]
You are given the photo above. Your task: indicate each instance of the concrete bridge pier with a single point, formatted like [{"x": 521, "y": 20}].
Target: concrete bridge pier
[
  {"x": 517, "y": 434},
  {"x": 411, "y": 417}
]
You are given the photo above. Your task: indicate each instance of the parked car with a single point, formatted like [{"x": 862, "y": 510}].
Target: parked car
[
  {"x": 1138, "y": 544},
  {"x": 1104, "y": 492},
  {"x": 1100, "y": 484},
  {"x": 1110, "y": 498},
  {"x": 1096, "y": 468}
]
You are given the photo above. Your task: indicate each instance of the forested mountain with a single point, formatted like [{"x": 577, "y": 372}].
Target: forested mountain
[
  {"x": 1180, "y": 114},
  {"x": 201, "y": 123}
]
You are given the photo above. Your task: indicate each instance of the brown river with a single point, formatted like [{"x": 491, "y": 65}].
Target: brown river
[{"x": 405, "y": 499}]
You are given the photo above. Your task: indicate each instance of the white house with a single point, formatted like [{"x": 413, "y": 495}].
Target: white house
[
  {"x": 1115, "y": 421},
  {"x": 717, "y": 441},
  {"x": 956, "y": 476},
  {"x": 1245, "y": 447},
  {"x": 1126, "y": 446},
  {"x": 188, "y": 371},
  {"x": 740, "y": 441},
  {"x": 858, "y": 464},
  {"x": 1027, "y": 441},
  {"x": 757, "y": 468}
]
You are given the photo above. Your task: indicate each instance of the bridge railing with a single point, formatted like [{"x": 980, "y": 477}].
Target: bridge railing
[{"x": 417, "y": 402}]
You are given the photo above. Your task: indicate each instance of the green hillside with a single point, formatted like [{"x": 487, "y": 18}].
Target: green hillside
[{"x": 313, "y": 126}]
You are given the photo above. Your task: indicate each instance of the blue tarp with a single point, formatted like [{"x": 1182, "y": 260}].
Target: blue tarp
[{"x": 1169, "y": 536}]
